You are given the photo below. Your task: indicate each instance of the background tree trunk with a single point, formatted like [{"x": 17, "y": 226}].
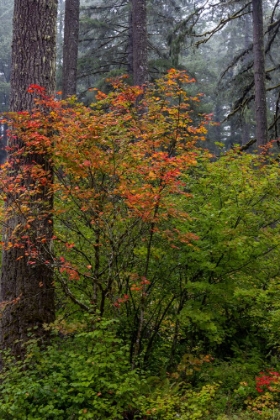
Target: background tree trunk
[
  {"x": 139, "y": 37},
  {"x": 259, "y": 73},
  {"x": 29, "y": 286},
  {"x": 130, "y": 44},
  {"x": 70, "y": 47}
]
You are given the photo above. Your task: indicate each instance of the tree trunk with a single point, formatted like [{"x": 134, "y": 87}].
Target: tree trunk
[
  {"x": 139, "y": 39},
  {"x": 59, "y": 37},
  {"x": 259, "y": 73},
  {"x": 70, "y": 47},
  {"x": 130, "y": 44},
  {"x": 3, "y": 143},
  {"x": 245, "y": 126},
  {"x": 26, "y": 291}
]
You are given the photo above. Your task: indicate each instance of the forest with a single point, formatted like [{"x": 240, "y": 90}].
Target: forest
[{"x": 140, "y": 210}]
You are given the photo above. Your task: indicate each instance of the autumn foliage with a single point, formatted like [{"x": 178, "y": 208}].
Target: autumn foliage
[
  {"x": 117, "y": 167},
  {"x": 267, "y": 381},
  {"x": 165, "y": 259},
  {"x": 115, "y": 172}
]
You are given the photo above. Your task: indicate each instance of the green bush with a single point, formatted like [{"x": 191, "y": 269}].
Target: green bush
[
  {"x": 86, "y": 376},
  {"x": 169, "y": 400}
]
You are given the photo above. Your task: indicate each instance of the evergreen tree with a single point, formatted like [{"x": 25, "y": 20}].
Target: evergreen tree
[
  {"x": 70, "y": 47},
  {"x": 27, "y": 290},
  {"x": 6, "y": 8},
  {"x": 139, "y": 42},
  {"x": 259, "y": 73}
]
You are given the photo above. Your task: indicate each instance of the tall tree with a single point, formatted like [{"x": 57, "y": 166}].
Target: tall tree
[
  {"x": 27, "y": 289},
  {"x": 139, "y": 41},
  {"x": 70, "y": 47},
  {"x": 6, "y": 8},
  {"x": 259, "y": 73},
  {"x": 59, "y": 38}
]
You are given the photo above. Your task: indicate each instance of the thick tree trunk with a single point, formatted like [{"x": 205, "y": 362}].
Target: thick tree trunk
[
  {"x": 139, "y": 40},
  {"x": 26, "y": 290},
  {"x": 33, "y": 50},
  {"x": 70, "y": 47},
  {"x": 259, "y": 73}
]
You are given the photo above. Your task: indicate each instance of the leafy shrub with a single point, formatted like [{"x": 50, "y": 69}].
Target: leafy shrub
[
  {"x": 168, "y": 401},
  {"x": 86, "y": 376}
]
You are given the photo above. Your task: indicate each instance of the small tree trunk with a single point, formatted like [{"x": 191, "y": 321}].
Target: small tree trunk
[
  {"x": 70, "y": 47},
  {"x": 139, "y": 39},
  {"x": 130, "y": 44},
  {"x": 3, "y": 143},
  {"x": 259, "y": 73},
  {"x": 60, "y": 34}
]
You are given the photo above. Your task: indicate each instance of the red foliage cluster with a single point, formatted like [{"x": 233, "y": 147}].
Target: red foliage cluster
[{"x": 267, "y": 380}]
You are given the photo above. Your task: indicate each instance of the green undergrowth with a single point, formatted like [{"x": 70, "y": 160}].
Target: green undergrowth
[{"x": 86, "y": 374}]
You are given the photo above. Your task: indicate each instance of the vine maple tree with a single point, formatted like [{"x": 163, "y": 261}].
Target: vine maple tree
[{"x": 117, "y": 186}]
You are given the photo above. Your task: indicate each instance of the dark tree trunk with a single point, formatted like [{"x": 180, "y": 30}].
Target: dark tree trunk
[
  {"x": 217, "y": 120},
  {"x": 245, "y": 127},
  {"x": 60, "y": 35},
  {"x": 139, "y": 40},
  {"x": 29, "y": 287},
  {"x": 130, "y": 44},
  {"x": 70, "y": 47},
  {"x": 3, "y": 143},
  {"x": 259, "y": 73}
]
